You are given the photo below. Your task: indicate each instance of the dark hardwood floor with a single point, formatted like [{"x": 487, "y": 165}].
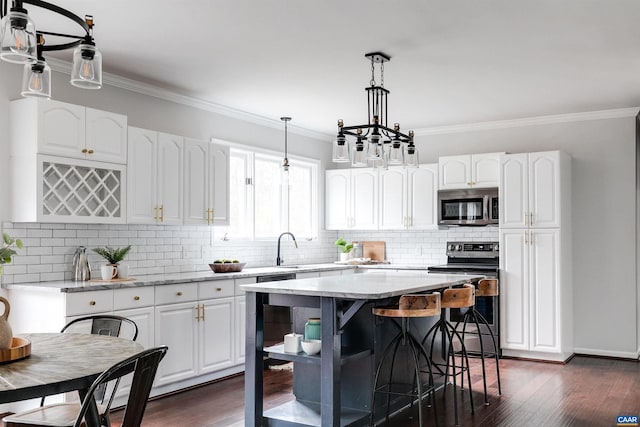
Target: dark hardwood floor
[{"x": 585, "y": 392}]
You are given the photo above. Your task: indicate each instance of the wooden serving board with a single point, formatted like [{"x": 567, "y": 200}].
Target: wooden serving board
[
  {"x": 128, "y": 279},
  {"x": 20, "y": 348},
  {"x": 374, "y": 250}
]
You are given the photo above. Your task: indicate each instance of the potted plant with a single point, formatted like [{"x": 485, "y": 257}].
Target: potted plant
[
  {"x": 344, "y": 248},
  {"x": 6, "y": 250},
  {"x": 113, "y": 255}
]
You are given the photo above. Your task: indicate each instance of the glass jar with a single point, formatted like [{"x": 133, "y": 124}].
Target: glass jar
[{"x": 312, "y": 330}]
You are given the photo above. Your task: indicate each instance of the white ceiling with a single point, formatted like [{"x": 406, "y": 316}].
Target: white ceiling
[{"x": 453, "y": 61}]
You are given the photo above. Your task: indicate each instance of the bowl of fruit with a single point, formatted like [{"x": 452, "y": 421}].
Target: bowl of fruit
[{"x": 227, "y": 266}]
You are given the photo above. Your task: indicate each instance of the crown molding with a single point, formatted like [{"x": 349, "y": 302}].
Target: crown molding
[
  {"x": 531, "y": 121},
  {"x": 167, "y": 95},
  {"x": 157, "y": 92}
]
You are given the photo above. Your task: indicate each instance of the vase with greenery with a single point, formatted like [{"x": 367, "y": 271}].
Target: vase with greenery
[
  {"x": 344, "y": 248},
  {"x": 112, "y": 255},
  {"x": 7, "y": 250}
]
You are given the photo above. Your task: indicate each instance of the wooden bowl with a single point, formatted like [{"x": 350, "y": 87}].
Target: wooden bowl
[
  {"x": 227, "y": 267},
  {"x": 19, "y": 349}
]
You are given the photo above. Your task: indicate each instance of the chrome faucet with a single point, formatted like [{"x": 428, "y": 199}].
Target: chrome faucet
[{"x": 278, "y": 259}]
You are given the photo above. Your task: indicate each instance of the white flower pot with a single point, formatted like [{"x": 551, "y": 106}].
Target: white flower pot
[{"x": 344, "y": 256}]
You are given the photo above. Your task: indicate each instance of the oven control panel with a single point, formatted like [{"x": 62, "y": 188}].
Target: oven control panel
[{"x": 473, "y": 249}]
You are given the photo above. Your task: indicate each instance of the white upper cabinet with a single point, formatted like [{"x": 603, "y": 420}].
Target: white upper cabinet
[
  {"x": 408, "y": 198},
  {"x": 351, "y": 199},
  {"x": 469, "y": 171},
  {"x": 68, "y": 130},
  {"x": 530, "y": 190},
  {"x": 206, "y": 183},
  {"x": 155, "y": 186}
]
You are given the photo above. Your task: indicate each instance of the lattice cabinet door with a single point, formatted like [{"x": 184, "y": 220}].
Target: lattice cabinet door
[{"x": 80, "y": 191}]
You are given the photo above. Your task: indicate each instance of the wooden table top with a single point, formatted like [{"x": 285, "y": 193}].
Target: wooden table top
[{"x": 61, "y": 363}]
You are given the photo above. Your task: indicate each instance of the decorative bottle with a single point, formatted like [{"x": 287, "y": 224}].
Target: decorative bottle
[{"x": 312, "y": 330}]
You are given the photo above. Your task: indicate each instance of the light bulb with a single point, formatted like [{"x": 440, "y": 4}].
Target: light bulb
[
  {"x": 35, "y": 82},
  {"x": 87, "y": 72},
  {"x": 19, "y": 41}
]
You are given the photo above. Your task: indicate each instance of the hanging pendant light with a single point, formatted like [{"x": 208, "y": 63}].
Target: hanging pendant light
[
  {"x": 19, "y": 43},
  {"x": 384, "y": 146},
  {"x": 341, "y": 147},
  {"x": 36, "y": 78},
  {"x": 285, "y": 161}
]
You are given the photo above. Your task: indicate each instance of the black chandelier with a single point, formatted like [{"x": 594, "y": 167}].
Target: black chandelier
[
  {"x": 384, "y": 145},
  {"x": 22, "y": 43}
]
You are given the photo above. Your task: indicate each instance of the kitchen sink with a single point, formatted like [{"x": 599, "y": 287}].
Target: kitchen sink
[{"x": 287, "y": 266}]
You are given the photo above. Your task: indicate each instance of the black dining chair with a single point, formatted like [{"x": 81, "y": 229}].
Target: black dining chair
[
  {"x": 143, "y": 365},
  {"x": 103, "y": 324}
]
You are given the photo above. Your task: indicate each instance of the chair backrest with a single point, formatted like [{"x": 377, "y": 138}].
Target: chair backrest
[
  {"x": 144, "y": 366},
  {"x": 104, "y": 324},
  {"x": 459, "y": 297},
  {"x": 487, "y": 288}
]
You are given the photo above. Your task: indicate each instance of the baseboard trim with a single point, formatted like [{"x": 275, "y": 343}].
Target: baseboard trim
[{"x": 607, "y": 353}]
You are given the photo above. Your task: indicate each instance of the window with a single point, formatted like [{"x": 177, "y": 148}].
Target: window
[{"x": 266, "y": 202}]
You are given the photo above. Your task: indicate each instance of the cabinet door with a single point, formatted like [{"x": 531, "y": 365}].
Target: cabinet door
[
  {"x": 216, "y": 334},
  {"x": 454, "y": 171},
  {"x": 514, "y": 289},
  {"x": 514, "y": 191},
  {"x": 61, "y": 129},
  {"x": 393, "y": 195},
  {"x": 169, "y": 178},
  {"x": 545, "y": 292},
  {"x": 240, "y": 328},
  {"x": 544, "y": 189},
  {"x": 141, "y": 176},
  {"x": 364, "y": 199},
  {"x": 337, "y": 199},
  {"x": 176, "y": 326},
  {"x": 422, "y": 197},
  {"x": 485, "y": 170},
  {"x": 219, "y": 183},
  {"x": 106, "y": 136},
  {"x": 196, "y": 187}
]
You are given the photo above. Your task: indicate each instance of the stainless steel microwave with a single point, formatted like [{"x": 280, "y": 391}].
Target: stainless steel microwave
[{"x": 468, "y": 207}]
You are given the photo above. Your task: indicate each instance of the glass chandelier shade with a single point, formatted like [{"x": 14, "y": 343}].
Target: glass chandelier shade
[
  {"x": 36, "y": 80},
  {"x": 341, "y": 150},
  {"x": 384, "y": 145},
  {"x": 18, "y": 38},
  {"x": 86, "y": 72}
]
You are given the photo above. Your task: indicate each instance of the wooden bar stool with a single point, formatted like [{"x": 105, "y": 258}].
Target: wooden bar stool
[
  {"x": 409, "y": 306},
  {"x": 486, "y": 288},
  {"x": 463, "y": 297}
]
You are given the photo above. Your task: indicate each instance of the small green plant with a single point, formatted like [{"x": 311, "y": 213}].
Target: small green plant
[
  {"x": 343, "y": 246},
  {"x": 112, "y": 255},
  {"x": 7, "y": 251}
]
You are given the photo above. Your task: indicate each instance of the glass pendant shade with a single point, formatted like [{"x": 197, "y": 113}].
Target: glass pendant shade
[
  {"x": 359, "y": 157},
  {"x": 379, "y": 163},
  {"x": 411, "y": 159},
  {"x": 374, "y": 149},
  {"x": 18, "y": 38},
  {"x": 87, "y": 67},
  {"x": 341, "y": 150},
  {"x": 396, "y": 154},
  {"x": 36, "y": 80}
]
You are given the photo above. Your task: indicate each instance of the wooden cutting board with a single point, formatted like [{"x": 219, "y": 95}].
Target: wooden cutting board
[{"x": 374, "y": 250}]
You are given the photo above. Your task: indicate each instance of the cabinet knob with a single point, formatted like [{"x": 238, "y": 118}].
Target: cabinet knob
[
  {"x": 179, "y": 293},
  {"x": 218, "y": 289},
  {"x": 92, "y": 303},
  {"x": 84, "y": 150},
  {"x": 90, "y": 151},
  {"x": 136, "y": 298}
]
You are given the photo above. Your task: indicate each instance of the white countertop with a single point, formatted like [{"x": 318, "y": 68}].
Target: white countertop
[{"x": 372, "y": 284}]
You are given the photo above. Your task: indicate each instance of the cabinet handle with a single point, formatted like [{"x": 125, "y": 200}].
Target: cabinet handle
[
  {"x": 92, "y": 302},
  {"x": 90, "y": 151},
  {"x": 197, "y": 307},
  {"x": 179, "y": 293},
  {"x": 136, "y": 298},
  {"x": 84, "y": 151},
  {"x": 218, "y": 289},
  {"x": 531, "y": 218},
  {"x": 208, "y": 220},
  {"x": 526, "y": 240},
  {"x": 202, "y": 311},
  {"x": 211, "y": 215},
  {"x": 161, "y": 213},
  {"x": 155, "y": 207}
]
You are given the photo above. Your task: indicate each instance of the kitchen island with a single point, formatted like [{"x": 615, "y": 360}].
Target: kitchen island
[{"x": 333, "y": 388}]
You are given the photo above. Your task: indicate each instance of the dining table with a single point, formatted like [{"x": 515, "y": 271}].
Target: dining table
[{"x": 61, "y": 362}]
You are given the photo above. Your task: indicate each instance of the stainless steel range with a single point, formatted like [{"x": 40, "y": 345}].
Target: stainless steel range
[{"x": 475, "y": 258}]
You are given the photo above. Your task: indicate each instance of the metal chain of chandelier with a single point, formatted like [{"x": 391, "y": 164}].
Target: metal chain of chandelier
[
  {"x": 376, "y": 144},
  {"x": 22, "y": 43}
]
